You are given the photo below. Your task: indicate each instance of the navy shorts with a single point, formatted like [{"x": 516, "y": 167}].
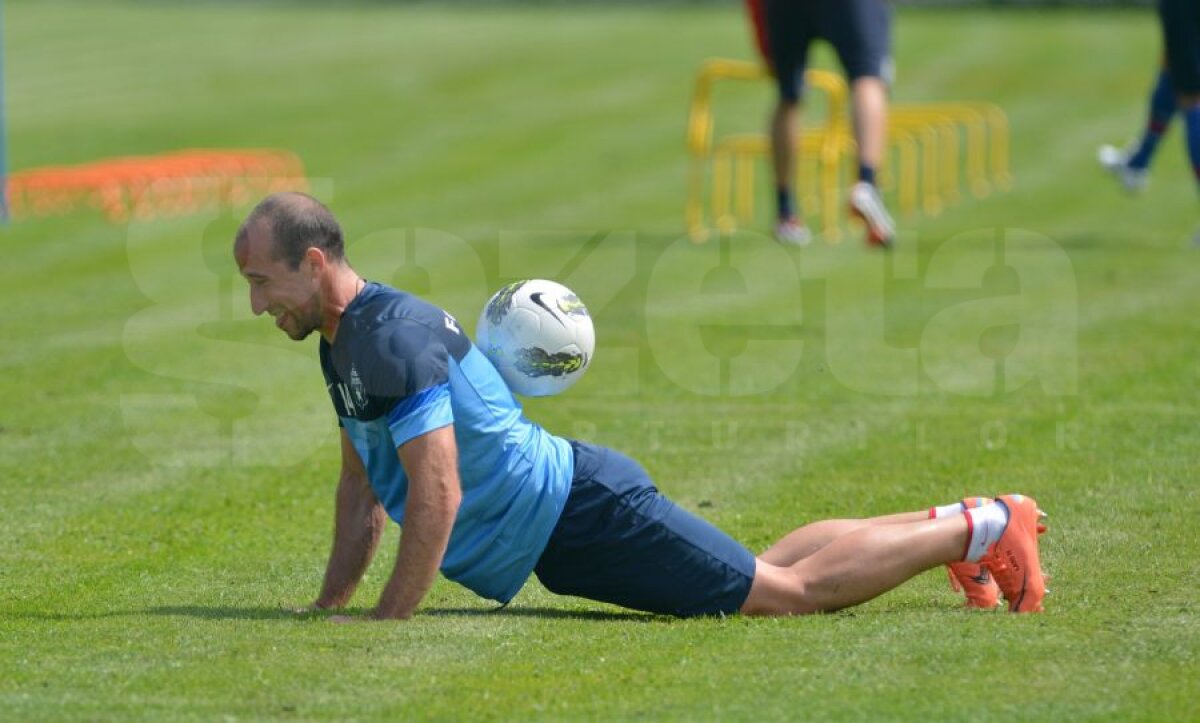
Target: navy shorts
[
  {"x": 1181, "y": 38},
  {"x": 620, "y": 541},
  {"x": 858, "y": 30}
]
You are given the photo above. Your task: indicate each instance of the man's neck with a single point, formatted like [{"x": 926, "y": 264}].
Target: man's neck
[{"x": 343, "y": 286}]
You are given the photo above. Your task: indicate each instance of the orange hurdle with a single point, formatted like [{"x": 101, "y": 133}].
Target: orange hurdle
[{"x": 145, "y": 187}]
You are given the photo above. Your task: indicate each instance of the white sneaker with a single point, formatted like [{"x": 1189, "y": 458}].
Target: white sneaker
[
  {"x": 1116, "y": 161},
  {"x": 866, "y": 204},
  {"x": 792, "y": 233}
]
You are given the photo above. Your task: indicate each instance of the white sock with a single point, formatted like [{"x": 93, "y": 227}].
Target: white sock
[
  {"x": 937, "y": 513},
  {"x": 985, "y": 524}
]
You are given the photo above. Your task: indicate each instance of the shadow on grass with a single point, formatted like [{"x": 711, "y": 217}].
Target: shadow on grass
[
  {"x": 204, "y": 612},
  {"x": 260, "y": 613},
  {"x": 547, "y": 613},
  {"x": 195, "y": 611}
]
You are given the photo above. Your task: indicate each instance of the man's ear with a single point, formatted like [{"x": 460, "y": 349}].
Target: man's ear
[{"x": 315, "y": 260}]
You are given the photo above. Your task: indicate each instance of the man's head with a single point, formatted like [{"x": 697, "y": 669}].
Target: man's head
[{"x": 287, "y": 249}]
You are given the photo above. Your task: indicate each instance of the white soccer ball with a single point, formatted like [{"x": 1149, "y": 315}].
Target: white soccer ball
[{"x": 539, "y": 336}]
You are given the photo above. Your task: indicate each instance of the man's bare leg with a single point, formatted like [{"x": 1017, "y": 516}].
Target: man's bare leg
[
  {"x": 870, "y": 120},
  {"x": 785, "y": 125},
  {"x": 856, "y": 566},
  {"x": 802, "y": 542},
  {"x": 870, "y": 133}
]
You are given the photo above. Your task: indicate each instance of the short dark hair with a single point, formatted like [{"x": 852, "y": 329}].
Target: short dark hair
[{"x": 297, "y": 222}]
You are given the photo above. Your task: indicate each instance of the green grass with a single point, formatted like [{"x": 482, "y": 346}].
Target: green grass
[{"x": 167, "y": 461}]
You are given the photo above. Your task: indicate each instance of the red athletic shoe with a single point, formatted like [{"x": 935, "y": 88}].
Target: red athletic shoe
[
  {"x": 1013, "y": 560},
  {"x": 972, "y": 578}
]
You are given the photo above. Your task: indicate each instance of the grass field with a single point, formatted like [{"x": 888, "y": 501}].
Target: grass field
[{"x": 167, "y": 461}]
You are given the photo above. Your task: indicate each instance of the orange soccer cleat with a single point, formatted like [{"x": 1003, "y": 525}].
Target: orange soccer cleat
[
  {"x": 1013, "y": 560},
  {"x": 972, "y": 578}
]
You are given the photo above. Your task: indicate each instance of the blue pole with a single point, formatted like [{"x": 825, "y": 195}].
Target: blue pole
[
  {"x": 3, "y": 133},
  {"x": 3, "y": 130}
]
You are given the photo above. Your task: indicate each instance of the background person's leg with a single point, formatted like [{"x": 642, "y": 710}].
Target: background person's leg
[
  {"x": 1162, "y": 107},
  {"x": 1181, "y": 39},
  {"x": 870, "y": 124},
  {"x": 784, "y": 125},
  {"x": 1131, "y": 165},
  {"x": 860, "y": 31},
  {"x": 1189, "y": 105},
  {"x": 790, "y": 28}
]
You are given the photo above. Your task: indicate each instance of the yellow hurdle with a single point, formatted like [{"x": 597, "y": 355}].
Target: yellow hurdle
[
  {"x": 939, "y": 138},
  {"x": 731, "y": 159},
  {"x": 734, "y": 159},
  {"x": 931, "y": 145},
  {"x": 985, "y": 141}
]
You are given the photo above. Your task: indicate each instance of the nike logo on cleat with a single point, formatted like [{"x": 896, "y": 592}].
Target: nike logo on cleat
[{"x": 1017, "y": 605}]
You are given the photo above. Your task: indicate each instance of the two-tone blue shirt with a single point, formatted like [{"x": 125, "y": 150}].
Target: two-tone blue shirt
[{"x": 400, "y": 367}]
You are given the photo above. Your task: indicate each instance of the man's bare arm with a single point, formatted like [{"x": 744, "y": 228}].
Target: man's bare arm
[
  {"x": 434, "y": 494},
  {"x": 358, "y": 523}
]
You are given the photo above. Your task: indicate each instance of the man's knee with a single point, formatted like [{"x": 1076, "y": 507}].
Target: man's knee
[
  {"x": 777, "y": 591},
  {"x": 871, "y": 85},
  {"x": 787, "y": 105}
]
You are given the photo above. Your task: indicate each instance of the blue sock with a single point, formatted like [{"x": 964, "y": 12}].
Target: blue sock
[
  {"x": 784, "y": 204},
  {"x": 866, "y": 174},
  {"x": 1162, "y": 107},
  {"x": 1191, "y": 117}
]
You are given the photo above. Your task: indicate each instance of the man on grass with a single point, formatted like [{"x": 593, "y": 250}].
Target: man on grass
[{"x": 431, "y": 437}]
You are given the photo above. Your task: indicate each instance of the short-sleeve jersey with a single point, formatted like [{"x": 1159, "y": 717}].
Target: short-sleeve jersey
[{"x": 400, "y": 367}]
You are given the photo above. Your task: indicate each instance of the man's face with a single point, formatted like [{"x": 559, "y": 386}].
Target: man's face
[{"x": 292, "y": 297}]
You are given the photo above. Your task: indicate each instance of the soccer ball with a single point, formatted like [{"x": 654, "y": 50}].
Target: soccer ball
[{"x": 539, "y": 336}]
